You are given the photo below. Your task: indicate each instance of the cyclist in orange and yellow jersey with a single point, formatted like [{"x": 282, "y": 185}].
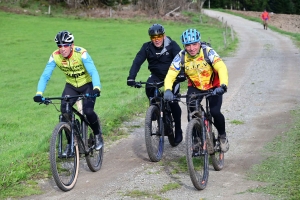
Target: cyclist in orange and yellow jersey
[
  {"x": 265, "y": 17},
  {"x": 82, "y": 77},
  {"x": 201, "y": 77}
]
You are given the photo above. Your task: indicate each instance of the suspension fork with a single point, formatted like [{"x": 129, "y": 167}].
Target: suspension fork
[
  {"x": 162, "y": 117},
  {"x": 72, "y": 115},
  {"x": 199, "y": 108}
]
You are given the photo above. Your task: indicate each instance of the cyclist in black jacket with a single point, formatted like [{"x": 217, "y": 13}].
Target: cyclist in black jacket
[{"x": 159, "y": 52}]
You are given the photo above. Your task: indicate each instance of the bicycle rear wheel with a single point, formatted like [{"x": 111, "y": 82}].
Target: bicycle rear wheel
[
  {"x": 217, "y": 158},
  {"x": 64, "y": 168},
  {"x": 196, "y": 154},
  {"x": 154, "y": 134},
  {"x": 94, "y": 158}
]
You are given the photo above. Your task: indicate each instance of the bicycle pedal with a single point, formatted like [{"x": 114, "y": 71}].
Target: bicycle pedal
[
  {"x": 71, "y": 155},
  {"x": 195, "y": 154},
  {"x": 65, "y": 157}
]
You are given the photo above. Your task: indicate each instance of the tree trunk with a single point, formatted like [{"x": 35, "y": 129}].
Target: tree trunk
[{"x": 200, "y": 4}]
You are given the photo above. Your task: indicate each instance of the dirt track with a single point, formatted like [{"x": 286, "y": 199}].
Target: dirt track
[{"x": 262, "y": 90}]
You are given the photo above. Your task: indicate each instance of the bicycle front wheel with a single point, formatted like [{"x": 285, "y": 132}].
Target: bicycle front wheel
[
  {"x": 154, "y": 134},
  {"x": 64, "y": 167},
  {"x": 169, "y": 130},
  {"x": 196, "y": 154},
  {"x": 94, "y": 158}
]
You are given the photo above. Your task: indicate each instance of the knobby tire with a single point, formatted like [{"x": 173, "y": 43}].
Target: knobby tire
[
  {"x": 94, "y": 158},
  {"x": 196, "y": 154},
  {"x": 154, "y": 134},
  {"x": 217, "y": 158},
  {"x": 170, "y": 130},
  {"x": 64, "y": 168}
]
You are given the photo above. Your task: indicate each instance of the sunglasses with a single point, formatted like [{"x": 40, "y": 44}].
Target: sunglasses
[
  {"x": 155, "y": 37},
  {"x": 63, "y": 45}
]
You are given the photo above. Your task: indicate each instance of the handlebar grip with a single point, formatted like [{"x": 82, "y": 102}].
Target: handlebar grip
[{"x": 138, "y": 85}]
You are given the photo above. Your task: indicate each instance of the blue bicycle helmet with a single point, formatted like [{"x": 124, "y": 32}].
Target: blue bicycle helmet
[
  {"x": 156, "y": 29},
  {"x": 190, "y": 36}
]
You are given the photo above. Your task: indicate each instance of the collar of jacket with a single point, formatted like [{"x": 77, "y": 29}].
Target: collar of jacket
[{"x": 167, "y": 42}]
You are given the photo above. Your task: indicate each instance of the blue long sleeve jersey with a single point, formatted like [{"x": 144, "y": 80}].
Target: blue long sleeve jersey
[{"x": 79, "y": 69}]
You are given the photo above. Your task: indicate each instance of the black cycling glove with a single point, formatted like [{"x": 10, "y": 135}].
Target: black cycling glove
[
  {"x": 131, "y": 82},
  {"x": 38, "y": 98},
  {"x": 95, "y": 93}
]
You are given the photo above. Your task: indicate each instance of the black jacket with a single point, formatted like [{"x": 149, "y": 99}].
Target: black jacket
[{"x": 159, "y": 59}]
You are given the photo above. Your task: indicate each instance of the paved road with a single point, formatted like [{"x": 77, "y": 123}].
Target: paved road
[{"x": 262, "y": 89}]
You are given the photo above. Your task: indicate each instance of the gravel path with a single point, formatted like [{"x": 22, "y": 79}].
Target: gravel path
[{"x": 262, "y": 90}]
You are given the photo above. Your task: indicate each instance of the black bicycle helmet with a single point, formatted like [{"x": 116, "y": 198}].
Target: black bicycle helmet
[
  {"x": 64, "y": 37},
  {"x": 156, "y": 29}
]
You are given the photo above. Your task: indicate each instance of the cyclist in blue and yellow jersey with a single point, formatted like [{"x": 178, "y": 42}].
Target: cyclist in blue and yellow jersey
[
  {"x": 82, "y": 77},
  {"x": 159, "y": 52},
  {"x": 201, "y": 77}
]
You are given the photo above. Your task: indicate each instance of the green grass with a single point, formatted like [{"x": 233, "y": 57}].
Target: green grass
[
  {"x": 153, "y": 194},
  {"x": 236, "y": 122},
  {"x": 170, "y": 186},
  {"x": 144, "y": 195},
  {"x": 25, "y": 126},
  {"x": 281, "y": 169}
]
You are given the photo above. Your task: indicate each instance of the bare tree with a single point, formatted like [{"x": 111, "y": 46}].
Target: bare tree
[
  {"x": 196, "y": 4},
  {"x": 153, "y": 7},
  {"x": 160, "y": 7}
]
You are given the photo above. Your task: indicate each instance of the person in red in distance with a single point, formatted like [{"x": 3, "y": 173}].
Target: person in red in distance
[
  {"x": 265, "y": 17},
  {"x": 82, "y": 77}
]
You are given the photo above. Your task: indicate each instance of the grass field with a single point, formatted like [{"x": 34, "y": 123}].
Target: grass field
[{"x": 28, "y": 42}]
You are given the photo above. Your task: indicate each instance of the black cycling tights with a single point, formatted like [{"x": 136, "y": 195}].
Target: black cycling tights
[
  {"x": 88, "y": 104},
  {"x": 215, "y": 103}
]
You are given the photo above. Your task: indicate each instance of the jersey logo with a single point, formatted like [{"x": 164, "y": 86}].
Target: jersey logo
[
  {"x": 177, "y": 58},
  {"x": 176, "y": 62}
]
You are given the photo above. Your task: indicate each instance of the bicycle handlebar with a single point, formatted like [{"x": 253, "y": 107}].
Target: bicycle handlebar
[
  {"x": 47, "y": 100},
  {"x": 207, "y": 93},
  {"x": 154, "y": 84},
  {"x": 177, "y": 97},
  {"x": 204, "y": 94}
]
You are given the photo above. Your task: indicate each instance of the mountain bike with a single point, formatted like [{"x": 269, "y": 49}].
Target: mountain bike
[
  {"x": 73, "y": 128},
  {"x": 202, "y": 141},
  {"x": 158, "y": 122}
]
